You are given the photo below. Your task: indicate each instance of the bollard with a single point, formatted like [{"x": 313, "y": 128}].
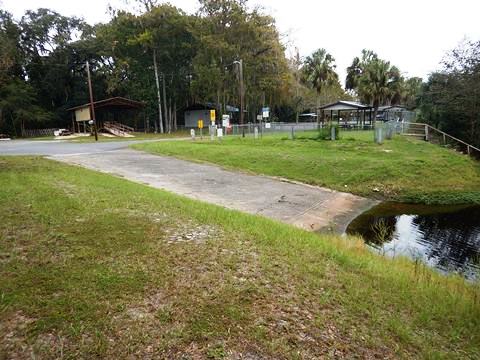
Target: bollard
[
  {"x": 255, "y": 132},
  {"x": 378, "y": 135},
  {"x": 192, "y": 134},
  {"x": 389, "y": 133},
  {"x": 332, "y": 133}
]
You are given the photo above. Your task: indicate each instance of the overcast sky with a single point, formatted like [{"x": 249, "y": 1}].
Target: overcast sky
[{"x": 412, "y": 34}]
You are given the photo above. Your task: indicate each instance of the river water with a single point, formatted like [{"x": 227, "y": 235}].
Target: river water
[{"x": 446, "y": 238}]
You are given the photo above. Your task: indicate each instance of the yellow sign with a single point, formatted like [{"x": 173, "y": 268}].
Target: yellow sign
[
  {"x": 212, "y": 116},
  {"x": 200, "y": 124}
]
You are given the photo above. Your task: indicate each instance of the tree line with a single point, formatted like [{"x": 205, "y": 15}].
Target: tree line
[
  {"x": 169, "y": 60},
  {"x": 450, "y": 98}
]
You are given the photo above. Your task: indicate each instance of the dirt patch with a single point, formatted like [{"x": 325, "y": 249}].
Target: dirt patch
[
  {"x": 191, "y": 233},
  {"x": 13, "y": 335},
  {"x": 68, "y": 189},
  {"x": 156, "y": 217}
]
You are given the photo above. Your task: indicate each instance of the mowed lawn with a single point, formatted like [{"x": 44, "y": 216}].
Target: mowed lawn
[
  {"x": 401, "y": 169},
  {"x": 97, "y": 266}
]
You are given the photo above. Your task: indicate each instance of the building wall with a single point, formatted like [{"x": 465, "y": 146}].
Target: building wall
[{"x": 192, "y": 117}]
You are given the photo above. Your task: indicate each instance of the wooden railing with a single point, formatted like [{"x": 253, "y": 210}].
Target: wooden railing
[
  {"x": 431, "y": 134},
  {"x": 117, "y": 128},
  {"x": 445, "y": 136}
]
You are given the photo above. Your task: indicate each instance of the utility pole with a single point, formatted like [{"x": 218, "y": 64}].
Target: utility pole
[
  {"x": 242, "y": 92},
  {"x": 158, "y": 91},
  {"x": 92, "y": 108}
]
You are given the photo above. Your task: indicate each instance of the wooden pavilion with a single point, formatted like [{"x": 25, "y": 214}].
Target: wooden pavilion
[{"x": 115, "y": 110}]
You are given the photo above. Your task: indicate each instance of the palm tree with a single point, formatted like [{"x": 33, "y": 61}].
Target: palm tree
[
  {"x": 379, "y": 83},
  {"x": 319, "y": 70},
  {"x": 354, "y": 71}
]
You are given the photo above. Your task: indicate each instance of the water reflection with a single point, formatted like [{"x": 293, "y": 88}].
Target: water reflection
[{"x": 446, "y": 238}]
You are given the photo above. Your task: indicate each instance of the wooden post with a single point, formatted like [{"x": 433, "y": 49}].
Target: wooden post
[
  {"x": 444, "y": 140},
  {"x": 92, "y": 106},
  {"x": 426, "y": 132},
  {"x": 468, "y": 149},
  {"x": 242, "y": 91}
]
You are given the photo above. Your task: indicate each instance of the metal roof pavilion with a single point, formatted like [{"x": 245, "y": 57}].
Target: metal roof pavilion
[
  {"x": 344, "y": 105},
  {"x": 350, "y": 109},
  {"x": 119, "y": 102}
]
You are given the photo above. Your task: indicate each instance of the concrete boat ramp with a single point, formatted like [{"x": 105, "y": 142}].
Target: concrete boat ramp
[{"x": 308, "y": 207}]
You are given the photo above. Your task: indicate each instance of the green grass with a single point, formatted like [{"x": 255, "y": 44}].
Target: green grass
[
  {"x": 401, "y": 169},
  {"x": 97, "y": 266}
]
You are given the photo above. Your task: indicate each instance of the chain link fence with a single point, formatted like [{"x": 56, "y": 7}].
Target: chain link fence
[{"x": 265, "y": 128}]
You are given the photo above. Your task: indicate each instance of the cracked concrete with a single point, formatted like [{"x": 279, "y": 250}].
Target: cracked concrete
[{"x": 308, "y": 207}]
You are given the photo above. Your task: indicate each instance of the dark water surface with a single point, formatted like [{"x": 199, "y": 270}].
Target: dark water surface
[{"x": 446, "y": 238}]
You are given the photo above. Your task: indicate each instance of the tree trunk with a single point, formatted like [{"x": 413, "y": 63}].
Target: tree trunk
[
  {"x": 158, "y": 94},
  {"x": 169, "y": 115},
  {"x": 22, "y": 127},
  {"x": 175, "y": 115},
  {"x": 13, "y": 125},
  {"x": 165, "y": 100}
]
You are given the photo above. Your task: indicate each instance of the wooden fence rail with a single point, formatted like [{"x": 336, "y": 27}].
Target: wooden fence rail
[
  {"x": 445, "y": 136},
  {"x": 432, "y": 134}
]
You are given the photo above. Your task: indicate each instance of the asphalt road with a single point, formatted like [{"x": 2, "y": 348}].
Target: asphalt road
[{"x": 61, "y": 147}]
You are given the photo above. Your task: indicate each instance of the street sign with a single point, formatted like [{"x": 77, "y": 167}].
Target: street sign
[
  {"x": 212, "y": 116},
  {"x": 226, "y": 120},
  {"x": 267, "y": 126},
  {"x": 266, "y": 112},
  {"x": 200, "y": 124},
  {"x": 259, "y": 117},
  {"x": 219, "y": 132}
]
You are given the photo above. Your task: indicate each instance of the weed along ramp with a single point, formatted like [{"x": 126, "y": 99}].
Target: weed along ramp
[{"x": 308, "y": 207}]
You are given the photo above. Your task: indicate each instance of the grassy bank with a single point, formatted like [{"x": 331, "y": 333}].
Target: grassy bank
[
  {"x": 97, "y": 266},
  {"x": 402, "y": 169}
]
